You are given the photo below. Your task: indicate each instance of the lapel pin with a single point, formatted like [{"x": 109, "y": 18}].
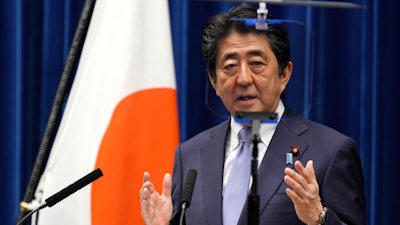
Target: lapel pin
[
  {"x": 289, "y": 159},
  {"x": 295, "y": 150}
]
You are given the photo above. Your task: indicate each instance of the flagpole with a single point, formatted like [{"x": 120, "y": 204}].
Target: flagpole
[{"x": 62, "y": 89}]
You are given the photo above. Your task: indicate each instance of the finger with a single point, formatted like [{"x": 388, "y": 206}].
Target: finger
[
  {"x": 149, "y": 186},
  {"x": 296, "y": 186},
  {"x": 167, "y": 185},
  {"x": 301, "y": 169},
  {"x": 146, "y": 184},
  {"x": 294, "y": 192},
  {"x": 296, "y": 176},
  {"x": 145, "y": 204},
  {"x": 146, "y": 177},
  {"x": 293, "y": 196},
  {"x": 306, "y": 173},
  {"x": 290, "y": 172},
  {"x": 292, "y": 178},
  {"x": 144, "y": 195},
  {"x": 310, "y": 169}
]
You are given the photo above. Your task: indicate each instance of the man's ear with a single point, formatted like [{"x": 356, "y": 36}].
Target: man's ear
[{"x": 285, "y": 75}]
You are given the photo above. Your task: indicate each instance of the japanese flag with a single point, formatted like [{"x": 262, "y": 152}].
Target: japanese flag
[{"x": 121, "y": 116}]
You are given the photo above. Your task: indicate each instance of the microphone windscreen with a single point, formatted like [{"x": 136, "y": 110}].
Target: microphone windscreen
[
  {"x": 89, "y": 178},
  {"x": 189, "y": 186}
]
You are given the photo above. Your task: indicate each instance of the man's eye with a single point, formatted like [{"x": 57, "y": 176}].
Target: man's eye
[
  {"x": 256, "y": 63},
  {"x": 229, "y": 67},
  {"x": 257, "y": 67}
]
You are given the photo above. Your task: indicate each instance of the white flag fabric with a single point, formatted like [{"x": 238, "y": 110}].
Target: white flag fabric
[{"x": 121, "y": 116}]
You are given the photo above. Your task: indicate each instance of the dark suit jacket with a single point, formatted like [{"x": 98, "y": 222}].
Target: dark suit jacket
[{"x": 336, "y": 162}]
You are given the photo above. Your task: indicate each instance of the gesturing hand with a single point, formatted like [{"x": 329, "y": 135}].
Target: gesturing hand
[
  {"x": 304, "y": 192},
  {"x": 156, "y": 208}
]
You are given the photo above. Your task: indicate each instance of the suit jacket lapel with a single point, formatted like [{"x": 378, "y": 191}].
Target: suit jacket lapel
[
  {"x": 212, "y": 165},
  {"x": 271, "y": 171}
]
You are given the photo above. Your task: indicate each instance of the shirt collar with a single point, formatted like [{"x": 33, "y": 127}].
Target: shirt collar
[{"x": 265, "y": 128}]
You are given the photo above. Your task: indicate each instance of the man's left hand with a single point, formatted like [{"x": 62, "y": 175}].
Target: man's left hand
[{"x": 304, "y": 192}]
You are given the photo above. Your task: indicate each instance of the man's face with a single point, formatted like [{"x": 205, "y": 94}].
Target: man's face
[{"x": 248, "y": 74}]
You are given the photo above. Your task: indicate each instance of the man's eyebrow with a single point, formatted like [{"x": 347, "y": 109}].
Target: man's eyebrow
[
  {"x": 256, "y": 52},
  {"x": 234, "y": 55},
  {"x": 229, "y": 56}
]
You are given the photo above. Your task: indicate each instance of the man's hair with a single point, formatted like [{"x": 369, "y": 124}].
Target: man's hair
[{"x": 221, "y": 25}]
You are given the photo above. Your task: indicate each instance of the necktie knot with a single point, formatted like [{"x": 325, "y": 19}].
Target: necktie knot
[{"x": 245, "y": 135}]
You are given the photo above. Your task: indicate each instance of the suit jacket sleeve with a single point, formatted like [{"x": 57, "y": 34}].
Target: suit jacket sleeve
[
  {"x": 176, "y": 188},
  {"x": 342, "y": 188}
]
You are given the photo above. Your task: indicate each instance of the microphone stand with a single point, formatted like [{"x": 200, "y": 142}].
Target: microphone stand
[{"x": 253, "y": 199}]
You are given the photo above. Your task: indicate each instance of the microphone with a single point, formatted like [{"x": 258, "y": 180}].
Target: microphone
[
  {"x": 89, "y": 178},
  {"x": 187, "y": 192},
  {"x": 57, "y": 197}
]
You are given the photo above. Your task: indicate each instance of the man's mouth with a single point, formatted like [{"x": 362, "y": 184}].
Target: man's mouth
[{"x": 245, "y": 98}]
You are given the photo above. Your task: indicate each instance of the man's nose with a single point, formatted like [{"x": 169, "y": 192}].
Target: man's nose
[{"x": 245, "y": 75}]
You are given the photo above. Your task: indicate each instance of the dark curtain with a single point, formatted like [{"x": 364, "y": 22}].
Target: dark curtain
[{"x": 344, "y": 60}]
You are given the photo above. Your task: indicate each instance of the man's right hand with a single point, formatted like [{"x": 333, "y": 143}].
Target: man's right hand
[{"x": 156, "y": 208}]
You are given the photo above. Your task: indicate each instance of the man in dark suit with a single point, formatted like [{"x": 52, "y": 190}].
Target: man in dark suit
[{"x": 249, "y": 70}]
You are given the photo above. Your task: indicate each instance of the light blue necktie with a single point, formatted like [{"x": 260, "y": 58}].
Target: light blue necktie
[{"x": 237, "y": 186}]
